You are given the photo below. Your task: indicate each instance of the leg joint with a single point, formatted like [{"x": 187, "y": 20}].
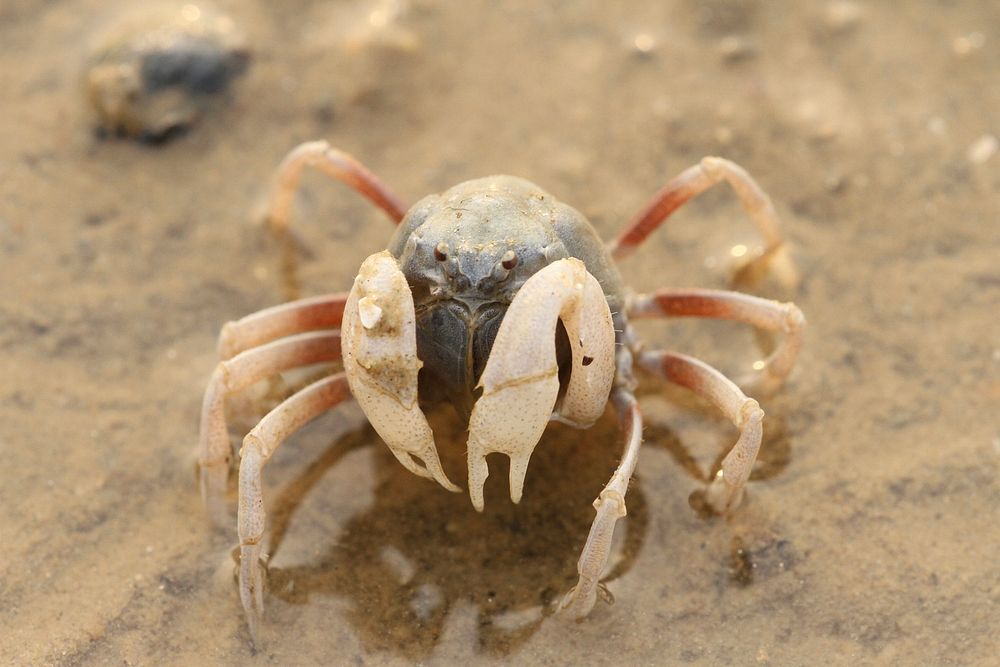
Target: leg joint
[
  {"x": 750, "y": 412},
  {"x": 229, "y": 340},
  {"x": 612, "y": 496},
  {"x": 712, "y": 166},
  {"x": 221, "y": 376},
  {"x": 252, "y": 446},
  {"x": 795, "y": 320}
]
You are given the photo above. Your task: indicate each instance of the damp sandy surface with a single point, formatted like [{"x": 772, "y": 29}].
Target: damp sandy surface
[{"x": 870, "y": 531}]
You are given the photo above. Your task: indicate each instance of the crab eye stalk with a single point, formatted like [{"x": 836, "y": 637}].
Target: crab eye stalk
[
  {"x": 509, "y": 260},
  {"x": 503, "y": 268},
  {"x": 441, "y": 251}
]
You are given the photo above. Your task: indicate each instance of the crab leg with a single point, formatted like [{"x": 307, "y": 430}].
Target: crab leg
[
  {"x": 319, "y": 312},
  {"x": 238, "y": 373},
  {"x": 336, "y": 164},
  {"x": 258, "y": 446},
  {"x": 724, "y": 305},
  {"x": 521, "y": 380},
  {"x": 610, "y": 506},
  {"x": 380, "y": 359},
  {"x": 688, "y": 185},
  {"x": 726, "y": 490}
]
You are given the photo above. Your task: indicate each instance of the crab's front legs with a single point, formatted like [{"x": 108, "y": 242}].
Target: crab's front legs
[
  {"x": 258, "y": 446},
  {"x": 380, "y": 360},
  {"x": 610, "y": 506},
  {"x": 521, "y": 380},
  {"x": 234, "y": 374}
]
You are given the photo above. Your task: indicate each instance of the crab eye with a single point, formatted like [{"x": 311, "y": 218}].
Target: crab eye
[
  {"x": 509, "y": 260},
  {"x": 441, "y": 251}
]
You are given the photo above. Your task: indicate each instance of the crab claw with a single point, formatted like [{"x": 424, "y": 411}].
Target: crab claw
[
  {"x": 521, "y": 380},
  {"x": 379, "y": 347}
]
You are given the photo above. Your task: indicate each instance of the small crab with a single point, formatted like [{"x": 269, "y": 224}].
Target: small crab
[
  {"x": 158, "y": 68},
  {"x": 503, "y": 301}
]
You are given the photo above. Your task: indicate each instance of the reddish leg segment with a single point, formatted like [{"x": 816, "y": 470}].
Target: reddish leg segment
[
  {"x": 320, "y": 312},
  {"x": 725, "y": 305},
  {"x": 726, "y": 490},
  {"x": 238, "y": 373},
  {"x": 336, "y": 164},
  {"x": 688, "y": 185},
  {"x": 258, "y": 446}
]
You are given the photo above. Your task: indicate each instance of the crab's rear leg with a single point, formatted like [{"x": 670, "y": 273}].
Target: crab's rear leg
[
  {"x": 380, "y": 359},
  {"x": 258, "y": 447},
  {"x": 726, "y": 489},
  {"x": 521, "y": 380},
  {"x": 610, "y": 506},
  {"x": 689, "y": 184},
  {"x": 725, "y": 305},
  {"x": 336, "y": 164}
]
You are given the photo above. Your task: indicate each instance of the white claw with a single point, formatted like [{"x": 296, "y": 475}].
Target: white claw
[
  {"x": 479, "y": 470},
  {"x": 518, "y": 469},
  {"x": 521, "y": 380},
  {"x": 379, "y": 347}
]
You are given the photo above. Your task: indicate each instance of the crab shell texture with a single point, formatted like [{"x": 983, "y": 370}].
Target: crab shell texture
[{"x": 465, "y": 254}]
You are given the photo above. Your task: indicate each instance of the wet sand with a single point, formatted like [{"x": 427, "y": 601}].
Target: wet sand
[{"x": 869, "y": 532}]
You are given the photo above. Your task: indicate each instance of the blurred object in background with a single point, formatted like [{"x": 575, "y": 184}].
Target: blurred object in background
[{"x": 155, "y": 71}]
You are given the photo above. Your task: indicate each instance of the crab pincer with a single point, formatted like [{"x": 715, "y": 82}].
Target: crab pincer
[
  {"x": 379, "y": 347},
  {"x": 521, "y": 382}
]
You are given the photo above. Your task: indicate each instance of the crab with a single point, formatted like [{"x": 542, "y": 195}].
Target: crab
[{"x": 501, "y": 300}]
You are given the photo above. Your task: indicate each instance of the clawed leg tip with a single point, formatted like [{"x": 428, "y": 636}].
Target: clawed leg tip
[
  {"x": 576, "y": 605},
  {"x": 580, "y": 601},
  {"x": 255, "y": 643},
  {"x": 251, "y": 578},
  {"x": 253, "y": 619},
  {"x": 702, "y": 508},
  {"x": 719, "y": 499}
]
